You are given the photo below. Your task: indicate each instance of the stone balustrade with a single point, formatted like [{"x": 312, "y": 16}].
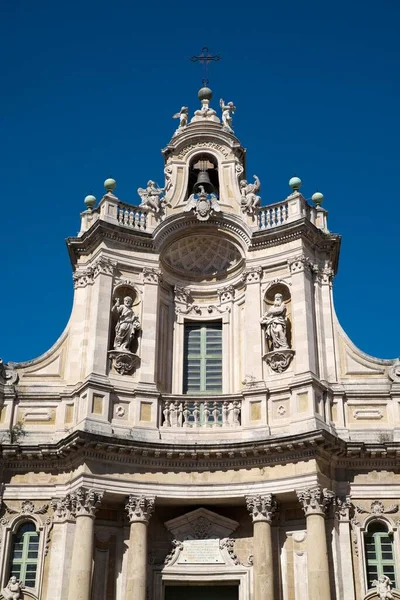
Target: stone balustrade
[
  {"x": 293, "y": 208},
  {"x": 131, "y": 216},
  {"x": 193, "y": 413}
]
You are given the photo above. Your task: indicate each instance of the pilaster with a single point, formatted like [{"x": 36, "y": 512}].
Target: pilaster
[
  {"x": 148, "y": 365},
  {"x": 252, "y": 359}
]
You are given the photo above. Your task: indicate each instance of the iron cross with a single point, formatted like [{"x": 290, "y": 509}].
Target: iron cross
[{"x": 205, "y": 58}]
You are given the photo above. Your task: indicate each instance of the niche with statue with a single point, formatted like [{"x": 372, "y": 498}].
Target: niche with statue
[
  {"x": 276, "y": 323},
  {"x": 125, "y": 329}
]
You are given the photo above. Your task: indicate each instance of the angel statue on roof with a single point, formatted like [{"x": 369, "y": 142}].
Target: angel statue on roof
[
  {"x": 151, "y": 197},
  {"x": 227, "y": 111},
  {"x": 183, "y": 116},
  {"x": 249, "y": 200}
]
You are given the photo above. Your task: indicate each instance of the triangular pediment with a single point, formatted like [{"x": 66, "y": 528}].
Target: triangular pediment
[{"x": 201, "y": 524}]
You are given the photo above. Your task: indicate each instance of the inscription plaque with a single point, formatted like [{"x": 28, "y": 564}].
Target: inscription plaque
[{"x": 200, "y": 552}]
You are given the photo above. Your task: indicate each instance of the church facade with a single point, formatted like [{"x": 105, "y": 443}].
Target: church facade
[{"x": 203, "y": 427}]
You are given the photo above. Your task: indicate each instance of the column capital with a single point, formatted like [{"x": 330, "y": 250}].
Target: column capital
[
  {"x": 140, "y": 508},
  {"x": 86, "y": 501},
  {"x": 261, "y": 508},
  {"x": 342, "y": 508},
  {"x": 315, "y": 501},
  {"x": 63, "y": 508}
]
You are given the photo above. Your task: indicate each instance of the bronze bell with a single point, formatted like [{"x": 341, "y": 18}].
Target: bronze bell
[{"x": 203, "y": 179}]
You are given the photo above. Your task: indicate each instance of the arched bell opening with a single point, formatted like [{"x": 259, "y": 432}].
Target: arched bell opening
[{"x": 203, "y": 171}]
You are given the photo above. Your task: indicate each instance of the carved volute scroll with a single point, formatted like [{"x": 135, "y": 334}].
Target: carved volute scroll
[
  {"x": 140, "y": 508},
  {"x": 261, "y": 508},
  {"x": 276, "y": 322},
  {"x": 315, "y": 501},
  {"x": 125, "y": 327}
]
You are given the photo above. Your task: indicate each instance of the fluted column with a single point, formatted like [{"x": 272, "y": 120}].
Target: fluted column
[
  {"x": 262, "y": 509},
  {"x": 85, "y": 502},
  {"x": 315, "y": 502},
  {"x": 139, "y": 510}
]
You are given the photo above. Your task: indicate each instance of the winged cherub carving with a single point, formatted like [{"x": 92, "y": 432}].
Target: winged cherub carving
[
  {"x": 151, "y": 196},
  {"x": 183, "y": 116}
]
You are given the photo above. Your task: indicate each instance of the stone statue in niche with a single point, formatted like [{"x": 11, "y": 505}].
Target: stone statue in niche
[
  {"x": 151, "y": 197},
  {"x": 12, "y": 591},
  {"x": 227, "y": 111},
  {"x": 249, "y": 201},
  {"x": 383, "y": 587},
  {"x": 123, "y": 359},
  {"x": 276, "y": 323},
  {"x": 127, "y": 324}
]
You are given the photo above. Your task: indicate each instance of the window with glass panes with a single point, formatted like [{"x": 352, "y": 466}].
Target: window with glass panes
[
  {"x": 202, "y": 373},
  {"x": 24, "y": 554},
  {"x": 379, "y": 553}
]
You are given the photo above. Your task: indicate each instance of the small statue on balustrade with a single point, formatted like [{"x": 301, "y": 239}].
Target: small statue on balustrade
[
  {"x": 383, "y": 587},
  {"x": 249, "y": 201},
  {"x": 151, "y": 197},
  {"x": 228, "y": 110},
  {"x": 127, "y": 325},
  {"x": 12, "y": 591},
  {"x": 276, "y": 325}
]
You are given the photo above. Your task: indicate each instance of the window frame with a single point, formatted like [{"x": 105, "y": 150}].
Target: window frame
[
  {"x": 202, "y": 357},
  {"x": 24, "y": 561},
  {"x": 9, "y": 528},
  {"x": 361, "y": 531}
]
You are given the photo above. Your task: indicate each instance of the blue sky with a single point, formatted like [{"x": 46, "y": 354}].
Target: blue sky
[{"x": 89, "y": 89}]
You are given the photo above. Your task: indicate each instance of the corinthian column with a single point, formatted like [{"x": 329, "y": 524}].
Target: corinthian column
[
  {"x": 262, "y": 509},
  {"x": 84, "y": 502},
  {"x": 139, "y": 510},
  {"x": 315, "y": 502}
]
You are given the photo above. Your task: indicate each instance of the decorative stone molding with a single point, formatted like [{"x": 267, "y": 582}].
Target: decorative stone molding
[
  {"x": 124, "y": 363},
  {"x": 182, "y": 294},
  {"x": 315, "y": 501},
  {"x": 261, "y": 508},
  {"x": 151, "y": 275},
  {"x": 43, "y": 521},
  {"x": 64, "y": 509},
  {"x": 226, "y": 294},
  {"x": 213, "y": 308},
  {"x": 184, "y": 301},
  {"x": 177, "y": 547},
  {"x": 200, "y": 145},
  {"x": 324, "y": 275},
  {"x": 299, "y": 263},
  {"x": 8, "y": 374},
  {"x": 86, "y": 276},
  {"x": 279, "y": 360},
  {"x": 85, "y": 502},
  {"x": 367, "y": 414},
  {"x": 229, "y": 545},
  {"x": 377, "y": 508},
  {"x": 394, "y": 371},
  {"x": 252, "y": 275},
  {"x": 342, "y": 508},
  {"x": 140, "y": 508},
  {"x": 277, "y": 281}
]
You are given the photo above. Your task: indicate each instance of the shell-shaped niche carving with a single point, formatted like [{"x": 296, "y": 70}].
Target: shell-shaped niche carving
[
  {"x": 124, "y": 330},
  {"x": 276, "y": 322},
  {"x": 202, "y": 257}
]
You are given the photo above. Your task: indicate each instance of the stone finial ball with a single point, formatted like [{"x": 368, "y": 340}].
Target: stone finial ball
[
  {"x": 295, "y": 183},
  {"x": 205, "y": 93},
  {"x": 90, "y": 201},
  {"x": 110, "y": 184},
  {"x": 317, "y": 198}
]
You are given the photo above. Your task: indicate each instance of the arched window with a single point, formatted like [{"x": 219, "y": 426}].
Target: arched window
[
  {"x": 379, "y": 555},
  {"x": 24, "y": 554}
]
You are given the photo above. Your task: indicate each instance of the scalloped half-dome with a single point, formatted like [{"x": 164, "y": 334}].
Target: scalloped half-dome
[{"x": 199, "y": 256}]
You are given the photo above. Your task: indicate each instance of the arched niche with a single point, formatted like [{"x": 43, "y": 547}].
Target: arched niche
[
  {"x": 277, "y": 325},
  {"x": 120, "y": 293},
  {"x": 270, "y": 294},
  {"x": 207, "y": 164}
]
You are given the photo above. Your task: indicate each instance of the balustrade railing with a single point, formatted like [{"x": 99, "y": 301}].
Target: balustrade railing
[
  {"x": 273, "y": 215},
  {"x": 192, "y": 413},
  {"x": 131, "y": 216}
]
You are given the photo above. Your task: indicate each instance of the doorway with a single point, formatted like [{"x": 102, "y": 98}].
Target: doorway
[{"x": 202, "y": 592}]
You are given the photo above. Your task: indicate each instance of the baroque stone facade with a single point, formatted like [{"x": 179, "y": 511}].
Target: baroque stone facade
[{"x": 203, "y": 420}]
